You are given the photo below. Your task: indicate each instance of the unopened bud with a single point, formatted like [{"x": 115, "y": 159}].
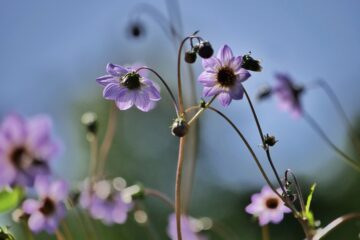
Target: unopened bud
[
  {"x": 270, "y": 140},
  {"x": 89, "y": 119},
  {"x": 251, "y": 64},
  {"x": 264, "y": 92},
  {"x": 205, "y": 49},
  {"x": 190, "y": 56},
  {"x": 180, "y": 127}
]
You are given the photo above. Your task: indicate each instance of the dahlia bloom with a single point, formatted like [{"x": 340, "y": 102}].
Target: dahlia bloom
[
  {"x": 104, "y": 203},
  {"x": 267, "y": 206},
  {"x": 189, "y": 229},
  {"x": 128, "y": 88},
  {"x": 26, "y": 147},
  {"x": 223, "y": 76},
  {"x": 288, "y": 94},
  {"x": 47, "y": 212}
]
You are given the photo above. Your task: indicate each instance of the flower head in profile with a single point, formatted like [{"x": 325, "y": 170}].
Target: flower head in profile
[
  {"x": 189, "y": 228},
  {"x": 104, "y": 203},
  {"x": 267, "y": 206},
  {"x": 26, "y": 147},
  {"x": 46, "y": 213},
  {"x": 223, "y": 76},
  {"x": 128, "y": 88},
  {"x": 289, "y": 94}
]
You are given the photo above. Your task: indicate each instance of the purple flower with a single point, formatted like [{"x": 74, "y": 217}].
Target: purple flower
[
  {"x": 267, "y": 206},
  {"x": 288, "y": 94},
  {"x": 49, "y": 210},
  {"x": 104, "y": 203},
  {"x": 189, "y": 228},
  {"x": 223, "y": 76},
  {"x": 26, "y": 147},
  {"x": 127, "y": 88}
]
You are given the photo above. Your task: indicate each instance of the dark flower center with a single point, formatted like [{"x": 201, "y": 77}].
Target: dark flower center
[
  {"x": 48, "y": 207},
  {"x": 226, "y": 77},
  {"x": 131, "y": 80},
  {"x": 21, "y": 158},
  {"x": 272, "y": 203}
]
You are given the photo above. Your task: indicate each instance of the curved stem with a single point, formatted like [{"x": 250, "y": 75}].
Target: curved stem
[
  {"x": 160, "y": 195},
  {"x": 198, "y": 113},
  {"x": 165, "y": 84},
  {"x": 180, "y": 97},
  {"x": 335, "y": 223},
  {"x": 263, "y": 141},
  {"x": 178, "y": 187},
  {"x": 297, "y": 188},
  {"x": 108, "y": 139},
  {"x": 355, "y": 165}
]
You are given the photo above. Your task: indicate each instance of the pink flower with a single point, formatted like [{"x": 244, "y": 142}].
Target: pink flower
[{"x": 267, "y": 206}]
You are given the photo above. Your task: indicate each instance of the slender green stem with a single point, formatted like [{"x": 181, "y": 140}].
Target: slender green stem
[
  {"x": 265, "y": 233},
  {"x": 316, "y": 127},
  {"x": 93, "y": 157},
  {"x": 108, "y": 139},
  {"x": 200, "y": 111},
  {"x": 161, "y": 196},
  {"x": 334, "y": 224},
  {"x": 178, "y": 210}
]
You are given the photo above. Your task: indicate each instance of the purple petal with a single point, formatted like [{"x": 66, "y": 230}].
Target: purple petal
[
  {"x": 36, "y": 222},
  {"x": 235, "y": 63},
  {"x": 207, "y": 79},
  {"x": 224, "y": 99},
  {"x": 105, "y": 80},
  {"x": 225, "y": 55},
  {"x": 212, "y": 91},
  {"x": 39, "y": 130},
  {"x": 14, "y": 128},
  {"x": 51, "y": 224},
  {"x": 153, "y": 90},
  {"x": 237, "y": 91},
  {"x": 142, "y": 101},
  {"x": 42, "y": 186},
  {"x": 126, "y": 101},
  {"x": 7, "y": 173},
  {"x": 211, "y": 64},
  {"x": 59, "y": 190},
  {"x": 30, "y": 206},
  {"x": 264, "y": 218},
  {"x": 113, "y": 91},
  {"x": 242, "y": 75},
  {"x": 116, "y": 70},
  {"x": 276, "y": 216}
]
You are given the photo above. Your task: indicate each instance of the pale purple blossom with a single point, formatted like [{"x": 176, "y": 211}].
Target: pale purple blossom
[
  {"x": 288, "y": 94},
  {"x": 127, "y": 88},
  {"x": 46, "y": 213},
  {"x": 223, "y": 76},
  {"x": 104, "y": 203},
  {"x": 189, "y": 228},
  {"x": 26, "y": 148},
  {"x": 267, "y": 206}
]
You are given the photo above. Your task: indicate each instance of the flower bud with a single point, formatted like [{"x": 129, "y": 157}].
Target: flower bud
[
  {"x": 270, "y": 140},
  {"x": 251, "y": 64},
  {"x": 136, "y": 29},
  {"x": 205, "y": 49},
  {"x": 89, "y": 119},
  {"x": 190, "y": 56},
  {"x": 180, "y": 127},
  {"x": 264, "y": 92}
]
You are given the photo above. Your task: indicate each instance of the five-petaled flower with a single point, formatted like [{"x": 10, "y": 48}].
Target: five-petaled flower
[
  {"x": 49, "y": 210},
  {"x": 267, "y": 206},
  {"x": 104, "y": 203},
  {"x": 127, "y": 87},
  {"x": 189, "y": 229},
  {"x": 223, "y": 76},
  {"x": 26, "y": 146},
  {"x": 289, "y": 94}
]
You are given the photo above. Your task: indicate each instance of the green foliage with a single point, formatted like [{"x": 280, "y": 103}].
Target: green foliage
[
  {"x": 10, "y": 198},
  {"x": 5, "y": 234},
  {"x": 309, "y": 214}
]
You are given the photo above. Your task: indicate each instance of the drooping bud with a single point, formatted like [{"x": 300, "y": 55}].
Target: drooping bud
[
  {"x": 264, "y": 92},
  {"x": 90, "y": 120},
  {"x": 270, "y": 140},
  {"x": 136, "y": 29},
  {"x": 205, "y": 49},
  {"x": 179, "y": 127},
  {"x": 190, "y": 56},
  {"x": 251, "y": 64}
]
